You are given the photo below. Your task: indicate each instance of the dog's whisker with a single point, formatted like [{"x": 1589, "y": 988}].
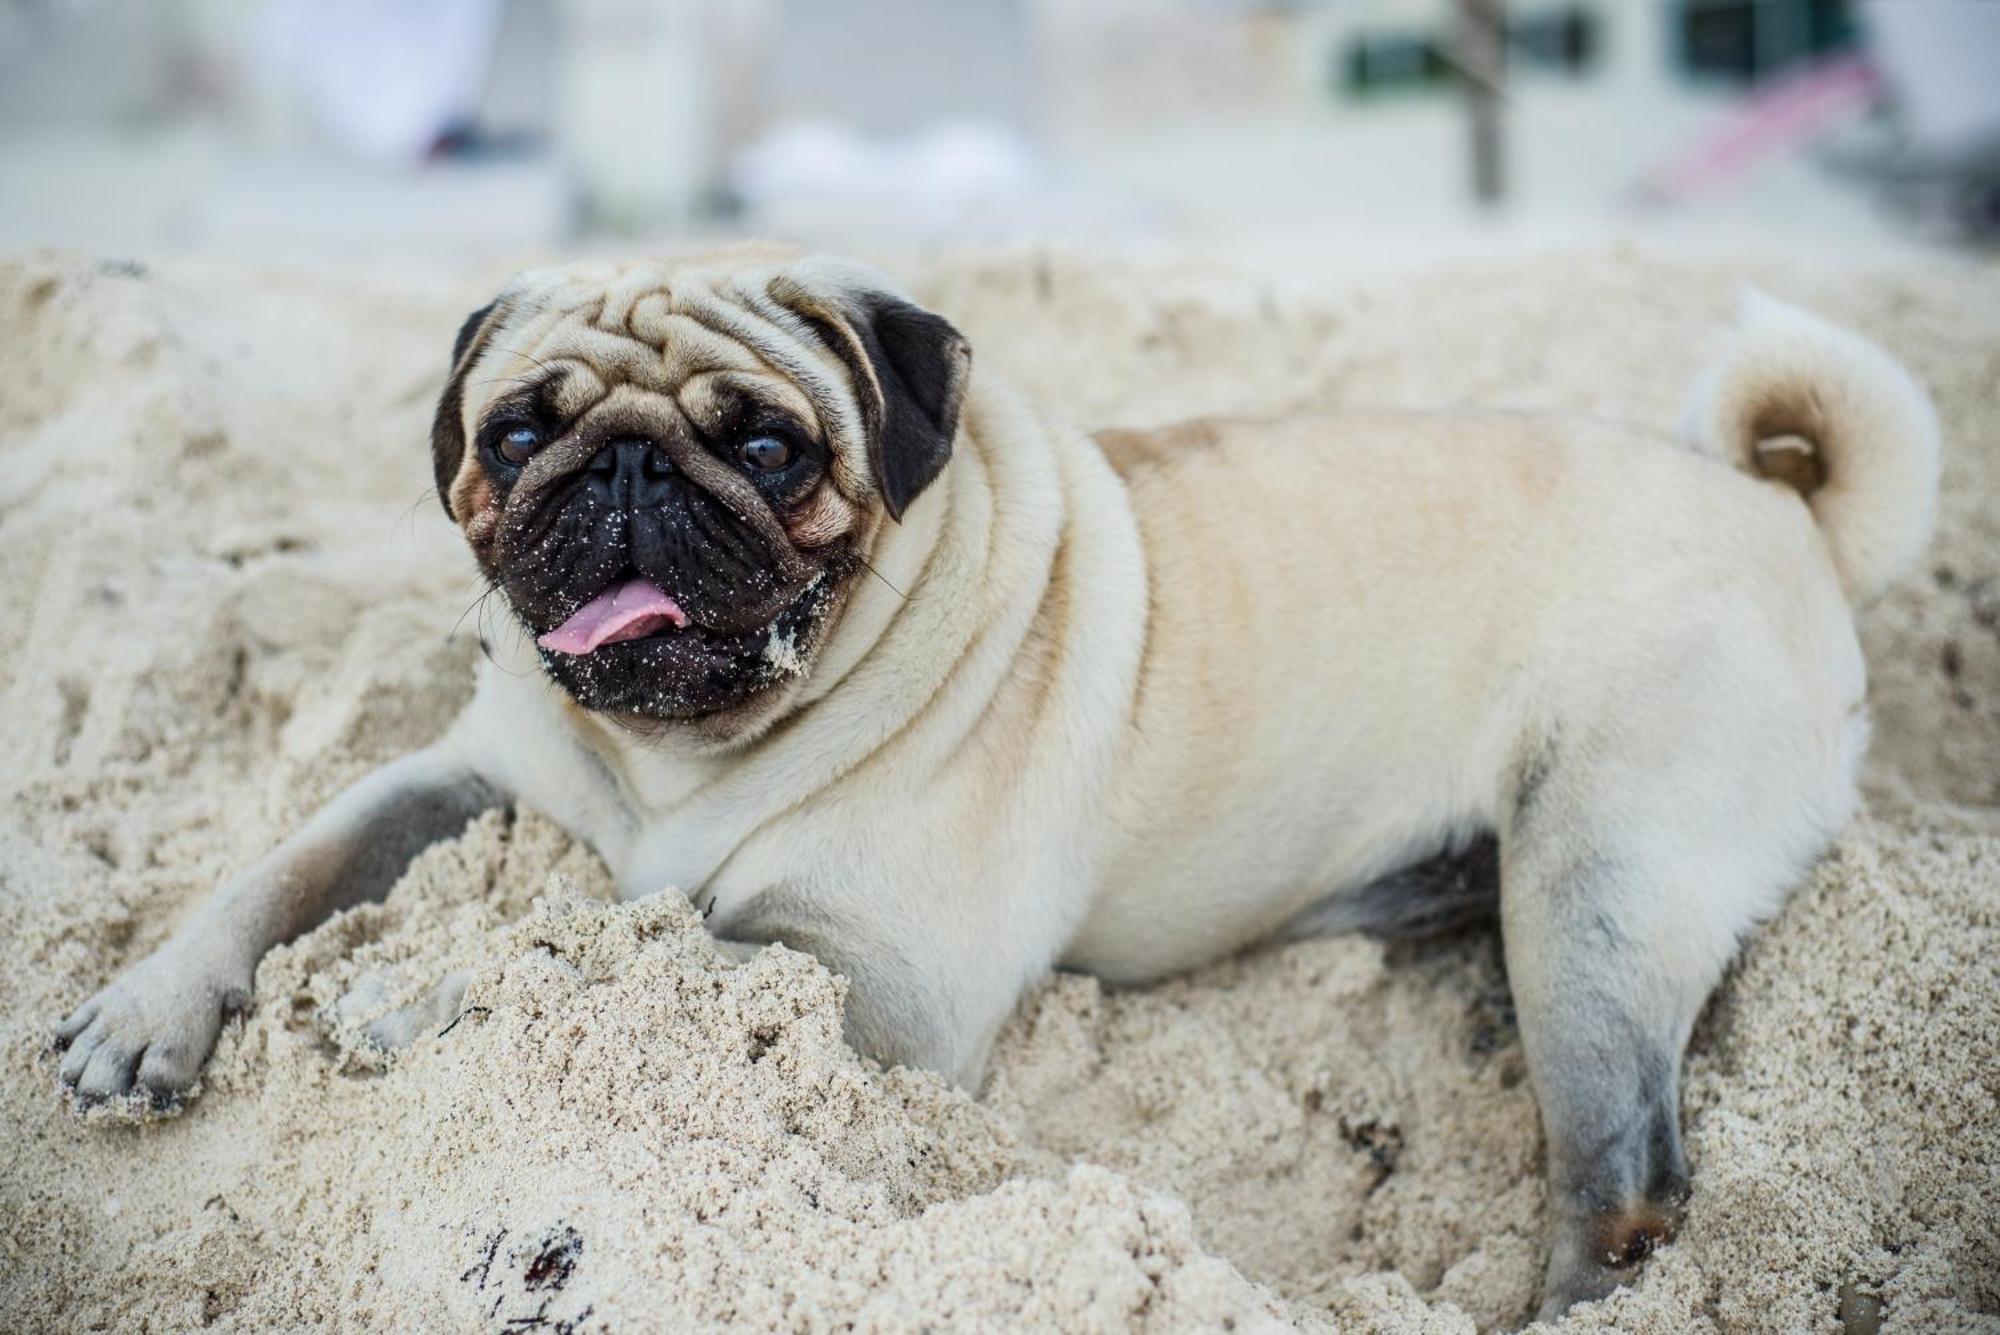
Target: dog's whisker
[
  {"x": 886, "y": 582},
  {"x": 476, "y": 605},
  {"x": 531, "y": 357},
  {"x": 409, "y": 512}
]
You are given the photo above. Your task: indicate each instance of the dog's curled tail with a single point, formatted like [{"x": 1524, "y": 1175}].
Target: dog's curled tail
[{"x": 1818, "y": 408}]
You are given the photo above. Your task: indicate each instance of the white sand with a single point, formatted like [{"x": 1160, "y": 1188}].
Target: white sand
[{"x": 219, "y": 606}]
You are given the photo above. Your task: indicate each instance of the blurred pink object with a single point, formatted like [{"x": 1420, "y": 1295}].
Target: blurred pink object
[{"x": 1796, "y": 109}]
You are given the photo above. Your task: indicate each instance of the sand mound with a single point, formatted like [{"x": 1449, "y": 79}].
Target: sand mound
[{"x": 226, "y": 596}]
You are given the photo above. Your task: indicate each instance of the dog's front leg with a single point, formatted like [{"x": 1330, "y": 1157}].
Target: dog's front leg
[
  {"x": 154, "y": 1026},
  {"x": 909, "y": 1002}
]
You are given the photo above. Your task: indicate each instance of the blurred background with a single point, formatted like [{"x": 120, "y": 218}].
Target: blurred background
[{"x": 1317, "y": 133}]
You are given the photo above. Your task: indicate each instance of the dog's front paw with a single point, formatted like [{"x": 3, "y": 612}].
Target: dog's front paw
[
  {"x": 365, "y": 1013},
  {"x": 148, "y": 1033}
]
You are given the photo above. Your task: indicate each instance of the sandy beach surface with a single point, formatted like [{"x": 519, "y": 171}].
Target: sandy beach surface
[{"x": 227, "y": 594}]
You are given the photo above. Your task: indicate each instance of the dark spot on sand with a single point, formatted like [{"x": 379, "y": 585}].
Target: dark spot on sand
[
  {"x": 1860, "y": 1312},
  {"x": 554, "y": 1261},
  {"x": 1382, "y": 1143},
  {"x": 483, "y": 1267}
]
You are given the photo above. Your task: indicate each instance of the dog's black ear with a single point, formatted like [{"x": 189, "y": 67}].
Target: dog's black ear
[
  {"x": 447, "y": 432},
  {"x": 910, "y": 369},
  {"x": 469, "y": 331},
  {"x": 921, "y": 365}
]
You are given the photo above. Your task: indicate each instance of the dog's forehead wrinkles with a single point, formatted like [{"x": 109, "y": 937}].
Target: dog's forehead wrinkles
[
  {"x": 708, "y": 337},
  {"x": 575, "y": 390},
  {"x": 615, "y": 357},
  {"x": 709, "y": 398},
  {"x": 651, "y": 340},
  {"x": 689, "y": 348},
  {"x": 639, "y": 283}
]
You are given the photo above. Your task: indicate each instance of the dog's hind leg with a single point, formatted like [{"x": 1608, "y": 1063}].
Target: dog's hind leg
[
  {"x": 1625, "y": 888},
  {"x": 1603, "y": 1018}
]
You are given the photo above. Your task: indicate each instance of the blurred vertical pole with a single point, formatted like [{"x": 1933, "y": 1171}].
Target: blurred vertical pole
[
  {"x": 1482, "y": 62},
  {"x": 635, "y": 125}
]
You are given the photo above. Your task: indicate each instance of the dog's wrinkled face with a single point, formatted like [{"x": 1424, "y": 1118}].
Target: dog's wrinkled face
[{"x": 674, "y": 469}]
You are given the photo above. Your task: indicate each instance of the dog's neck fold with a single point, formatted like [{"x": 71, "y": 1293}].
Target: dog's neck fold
[{"x": 914, "y": 663}]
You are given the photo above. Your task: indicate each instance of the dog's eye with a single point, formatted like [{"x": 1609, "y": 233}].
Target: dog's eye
[
  {"x": 519, "y": 444},
  {"x": 767, "y": 454}
]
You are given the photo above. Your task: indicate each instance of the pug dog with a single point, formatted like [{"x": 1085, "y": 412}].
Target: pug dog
[{"x": 868, "y": 658}]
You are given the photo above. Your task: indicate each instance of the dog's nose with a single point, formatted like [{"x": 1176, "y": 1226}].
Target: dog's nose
[{"x": 635, "y": 471}]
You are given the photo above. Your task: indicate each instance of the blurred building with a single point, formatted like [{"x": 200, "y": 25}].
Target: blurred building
[{"x": 526, "y": 122}]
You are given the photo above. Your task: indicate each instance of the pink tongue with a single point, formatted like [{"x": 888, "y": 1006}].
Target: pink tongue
[{"x": 622, "y": 612}]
